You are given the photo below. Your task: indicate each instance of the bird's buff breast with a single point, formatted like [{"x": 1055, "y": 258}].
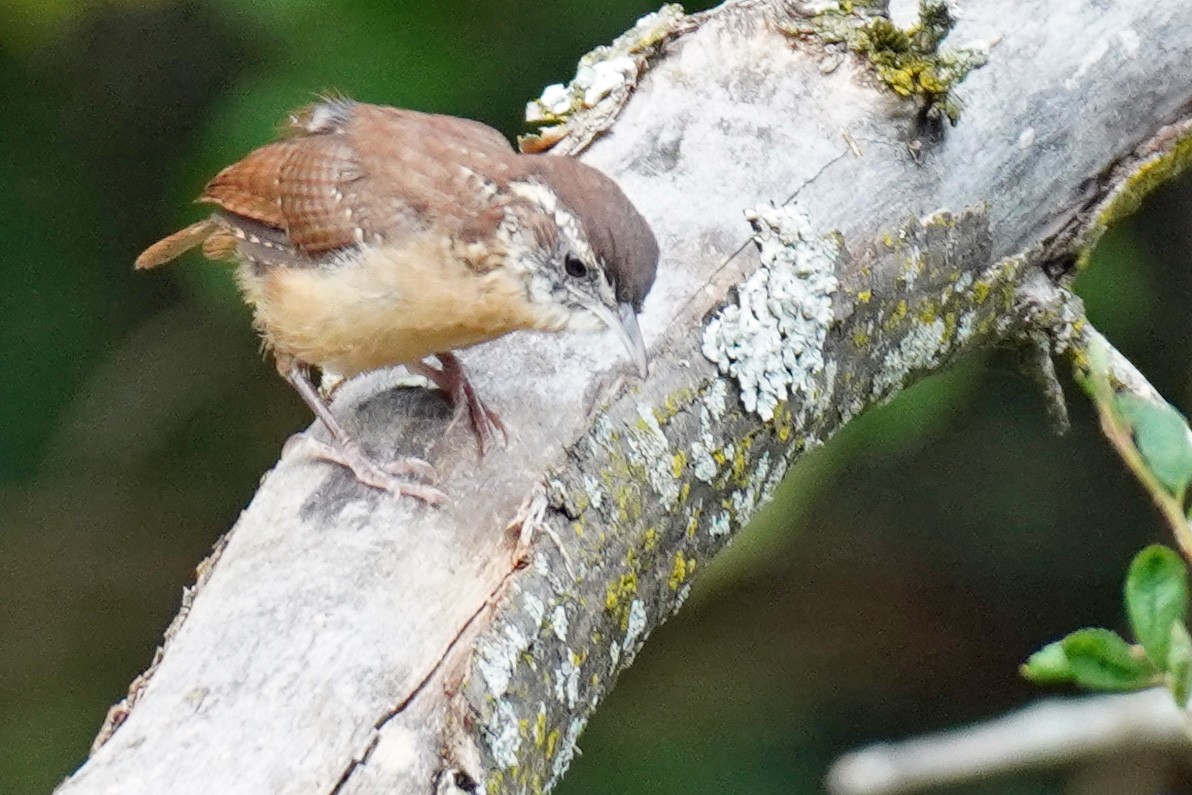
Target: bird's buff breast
[{"x": 384, "y": 306}]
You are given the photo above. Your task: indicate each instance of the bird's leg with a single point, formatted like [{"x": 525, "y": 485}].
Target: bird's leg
[
  {"x": 348, "y": 452},
  {"x": 453, "y": 380}
]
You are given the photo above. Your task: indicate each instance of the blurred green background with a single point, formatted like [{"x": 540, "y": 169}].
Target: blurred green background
[{"x": 892, "y": 589}]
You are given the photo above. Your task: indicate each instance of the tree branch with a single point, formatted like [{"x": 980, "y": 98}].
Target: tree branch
[
  {"x": 343, "y": 641},
  {"x": 1044, "y": 735}
]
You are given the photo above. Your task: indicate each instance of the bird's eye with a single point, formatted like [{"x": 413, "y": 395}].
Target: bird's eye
[{"x": 575, "y": 267}]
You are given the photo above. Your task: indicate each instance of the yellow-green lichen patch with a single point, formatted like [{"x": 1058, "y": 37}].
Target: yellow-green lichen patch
[
  {"x": 907, "y": 61},
  {"x": 752, "y": 491},
  {"x": 674, "y": 403},
  {"x": 912, "y": 266},
  {"x": 1146, "y": 176},
  {"x": 784, "y": 423},
  {"x": 865, "y": 296},
  {"x": 741, "y": 459},
  {"x": 678, "y": 464},
  {"x": 627, "y": 499},
  {"x": 951, "y": 327},
  {"x": 693, "y": 521},
  {"x": 581, "y": 502},
  {"x": 896, "y": 316},
  {"x": 682, "y": 569},
  {"x": 981, "y": 289},
  {"x": 618, "y": 597}
]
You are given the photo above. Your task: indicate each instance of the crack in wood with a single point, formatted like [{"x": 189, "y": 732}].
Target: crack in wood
[{"x": 489, "y": 603}]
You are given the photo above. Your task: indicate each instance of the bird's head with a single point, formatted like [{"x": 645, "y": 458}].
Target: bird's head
[{"x": 594, "y": 257}]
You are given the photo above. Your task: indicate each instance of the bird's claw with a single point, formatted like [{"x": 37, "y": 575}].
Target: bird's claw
[
  {"x": 453, "y": 380},
  {"x": 390, "y": 476},
  {"x": 489, "y": 429}
]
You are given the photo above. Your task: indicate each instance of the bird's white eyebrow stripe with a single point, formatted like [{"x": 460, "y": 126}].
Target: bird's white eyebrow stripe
[{"x": 537, "y": 193}]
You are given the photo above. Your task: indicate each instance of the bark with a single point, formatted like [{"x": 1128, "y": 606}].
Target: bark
[{"x": 826, "y": 241}]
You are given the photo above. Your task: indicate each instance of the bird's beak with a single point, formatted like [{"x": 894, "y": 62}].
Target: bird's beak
[
  {"x": 624, "y": 324},
  {"x": 631, "y": 334}
]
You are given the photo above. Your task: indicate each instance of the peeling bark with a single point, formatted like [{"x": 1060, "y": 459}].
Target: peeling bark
[{"x": 344, "y": 641}]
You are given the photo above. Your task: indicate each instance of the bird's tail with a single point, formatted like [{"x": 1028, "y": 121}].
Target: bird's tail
[{"x": 209, "y": 232}]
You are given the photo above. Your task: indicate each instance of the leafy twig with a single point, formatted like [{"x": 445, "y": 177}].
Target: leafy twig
[{"x": 1147, "y": 432}]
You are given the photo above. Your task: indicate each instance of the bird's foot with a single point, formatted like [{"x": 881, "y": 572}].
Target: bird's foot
[
  {"x": 392, "y": 476},
  {"x": 453, "y": 380},
  {"x": 487, "y": 425}
]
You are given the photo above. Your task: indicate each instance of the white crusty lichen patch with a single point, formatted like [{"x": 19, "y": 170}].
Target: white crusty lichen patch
[
  {"x": 920, "y": 349},
  {"x": 648, "y": 445},
  {"x": 498, "y": 655},
  {"x": 505, "y": 741},
  {"x": 603, "y": 80},
  {"x": 772, "y": 340},
  {"x": 566, "y": 751},
  {"x": 634, "y": 630},
  {"x": 605, "y": 69},
  {"x": 591, "y": 84},
  {"x": 711, "y": 409},
  {"x": 567, "y": 682}
]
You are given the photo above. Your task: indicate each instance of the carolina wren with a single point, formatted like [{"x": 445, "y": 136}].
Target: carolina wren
[{"x": 370, "y": 236}]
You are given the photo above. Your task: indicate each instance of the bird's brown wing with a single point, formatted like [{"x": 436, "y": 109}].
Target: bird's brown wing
[{"x": 351, "y": 173}]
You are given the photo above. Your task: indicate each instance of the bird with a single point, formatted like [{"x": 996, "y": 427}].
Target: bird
[{"x": 369, "y": 236}]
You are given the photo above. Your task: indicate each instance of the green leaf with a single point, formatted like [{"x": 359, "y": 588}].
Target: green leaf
[
  {"x": 1102, "y": 660},
  {"x": 1156, "y": 598},
  {"x": 1179, "y": 664},
  {"x": 1161, "y": 436},
  {"x": 1049, "y": 665}
]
